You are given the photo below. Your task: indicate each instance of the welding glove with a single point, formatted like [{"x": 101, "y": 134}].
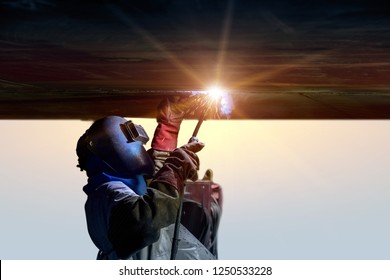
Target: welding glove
[
  {"x": 182, "y": 164},
  {"x": 171, "y": 112}
]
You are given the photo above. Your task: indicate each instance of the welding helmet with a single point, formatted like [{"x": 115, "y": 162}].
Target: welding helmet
[{"x": 115, "y": 146}]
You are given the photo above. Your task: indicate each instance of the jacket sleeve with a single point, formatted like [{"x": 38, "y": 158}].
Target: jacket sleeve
[{"x": 136, "y": 221}]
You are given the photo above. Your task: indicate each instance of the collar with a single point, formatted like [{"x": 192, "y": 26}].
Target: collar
[{"x": 137, "y": 184}]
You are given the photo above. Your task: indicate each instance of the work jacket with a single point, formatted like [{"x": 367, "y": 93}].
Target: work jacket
[{"x": 124, "y": 225}]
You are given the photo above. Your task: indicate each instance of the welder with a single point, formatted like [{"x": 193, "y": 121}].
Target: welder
[{"x": 134, "y": 194}]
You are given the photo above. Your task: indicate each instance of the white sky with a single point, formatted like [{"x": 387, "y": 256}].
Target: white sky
[{"x": 292, "y": 189}]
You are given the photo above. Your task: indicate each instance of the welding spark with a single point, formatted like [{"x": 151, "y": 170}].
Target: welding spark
[
  {"x": 215, "y": 92},
  {"x": 222, "y": 100},
  {"x": 215, "y": 102}
]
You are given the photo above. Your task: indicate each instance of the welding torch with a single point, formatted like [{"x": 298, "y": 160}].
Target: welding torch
[
  {"x": 202, "y": 117},
  {"x": 194, "y": 138}
]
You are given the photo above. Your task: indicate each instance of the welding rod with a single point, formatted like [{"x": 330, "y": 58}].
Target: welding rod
[{"x": 200, "y": 121}]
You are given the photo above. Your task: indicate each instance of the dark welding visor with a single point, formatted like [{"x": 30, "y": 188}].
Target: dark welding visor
[
  {"x": 119, "y": 143},
  {"x": 134, "y": 132}
]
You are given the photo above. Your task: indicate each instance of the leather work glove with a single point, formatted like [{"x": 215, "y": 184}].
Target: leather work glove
[
  {"x": 171, "y": 112},
  {"x": 182, "y": 164}
]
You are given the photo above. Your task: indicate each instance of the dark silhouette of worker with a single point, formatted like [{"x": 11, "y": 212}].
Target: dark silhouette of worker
[{"x": 134, "y": 194}]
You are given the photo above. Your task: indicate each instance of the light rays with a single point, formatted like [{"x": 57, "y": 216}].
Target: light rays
[
  {"x": 254, "y": 79},
  {"x": 224, "y": 41},
  {"x": 277, "y": 70},
  {"x": 172, "y": 57},
  {"x": 174, "y": 60}
]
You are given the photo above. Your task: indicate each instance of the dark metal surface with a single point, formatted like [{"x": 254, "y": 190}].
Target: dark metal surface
[
  {"x": 280, "y": 59},
  {"x": 247, "y": 105}
]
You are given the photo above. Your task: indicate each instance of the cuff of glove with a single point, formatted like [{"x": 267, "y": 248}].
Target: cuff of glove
[
  {"x": 165, "y": 137},
  {"x": 168, "y": 176},
  {"x": 180, "y": 166},
  {"x": 159, "y": 158}
]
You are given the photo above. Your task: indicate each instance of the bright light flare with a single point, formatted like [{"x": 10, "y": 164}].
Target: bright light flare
[
  {"x": 222, "y": 99},
  {"x": 215, "y": 101},
  {"x": 216, "y": 92}
]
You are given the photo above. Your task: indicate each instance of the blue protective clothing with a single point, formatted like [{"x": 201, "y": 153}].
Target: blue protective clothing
[{"x": 102, "y": 197}]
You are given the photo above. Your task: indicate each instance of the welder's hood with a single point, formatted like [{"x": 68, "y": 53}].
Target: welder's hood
[{"x": 111, "y": 140}]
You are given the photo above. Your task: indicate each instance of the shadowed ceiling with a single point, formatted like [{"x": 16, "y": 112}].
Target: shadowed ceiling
[{"x": 279, "y": 59}]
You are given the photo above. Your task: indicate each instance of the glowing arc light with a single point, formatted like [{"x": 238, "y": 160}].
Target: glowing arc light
[
  {"x": 216, "y": 92},
  {"x": 215, "y": 99}
]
